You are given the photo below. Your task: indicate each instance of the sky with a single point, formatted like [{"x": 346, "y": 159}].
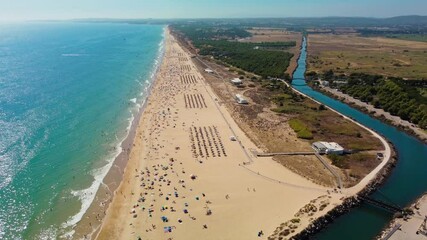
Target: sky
[{"x": 12, "y": 10}]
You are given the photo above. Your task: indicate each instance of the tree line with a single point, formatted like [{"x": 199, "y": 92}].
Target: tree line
[
  {"x": 397, "y": 96},
  {"x": 266, "y": 59},
  {"x": 246, "y": 56}
]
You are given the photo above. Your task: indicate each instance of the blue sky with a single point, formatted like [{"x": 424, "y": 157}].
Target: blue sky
[{"x": 66, "y": 9}]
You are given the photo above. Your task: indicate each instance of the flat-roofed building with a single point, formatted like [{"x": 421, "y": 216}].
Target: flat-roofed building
[
  {"x": 240, "y": 99},
  {"x": 236, "y": 81},
  {"x": 328, "y": 148}
]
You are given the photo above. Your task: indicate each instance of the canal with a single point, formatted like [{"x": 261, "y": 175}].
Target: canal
[{"x": 407, "y": 181}]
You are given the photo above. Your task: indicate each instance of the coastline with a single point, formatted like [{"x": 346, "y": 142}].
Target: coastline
[
  {"x": 91, "y": 220},
  {"x": 119, "y": 223}
]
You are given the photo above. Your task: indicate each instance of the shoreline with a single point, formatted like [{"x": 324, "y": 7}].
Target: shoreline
[
  {"x": 119, "y": 223},
  {"x": 114, "y": 176},
  {"x": 269, "y": 213}
]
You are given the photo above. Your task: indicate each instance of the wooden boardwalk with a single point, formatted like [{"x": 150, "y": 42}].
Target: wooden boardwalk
[
  {"x": 283, "y": 154},
  {"x": 326, "y": 164},
  {"x": 323, "y": 161}
]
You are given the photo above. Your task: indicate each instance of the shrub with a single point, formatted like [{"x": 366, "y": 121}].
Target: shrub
[
  {"x": 339, "y": 161},
  {"x": 301, "y": 129},
  {"x": 305, "y": 134},
  {"x": 295, "y": 220}
]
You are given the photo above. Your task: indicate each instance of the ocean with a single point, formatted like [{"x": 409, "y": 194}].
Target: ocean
[{"x": 68, "y": 94}]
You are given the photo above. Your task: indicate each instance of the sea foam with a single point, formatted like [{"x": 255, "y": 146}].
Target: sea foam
[{"x": 87, "y": 196}]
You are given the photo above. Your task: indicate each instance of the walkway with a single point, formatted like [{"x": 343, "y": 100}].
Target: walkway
[
  {"x": 393, "y": 230},
  {"x": 328, "y": 166},
  {"x": 283, "y": 154},
  {"x": 387, "y": 148}
]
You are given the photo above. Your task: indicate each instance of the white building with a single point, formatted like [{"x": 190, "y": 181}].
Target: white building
[
  {"x": 208, "y": 70},
  {"x": 240, "y": 99},
  {"x": 328, "y": 148},
  {"x": 236, "y": 81}
]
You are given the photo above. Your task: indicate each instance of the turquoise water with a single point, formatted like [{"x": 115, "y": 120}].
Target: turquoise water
[
  {"x": 407, "y": 182},
  {"x": 68, "y": 92}
]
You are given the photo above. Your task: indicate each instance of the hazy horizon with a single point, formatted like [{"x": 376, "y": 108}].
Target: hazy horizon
[{"x": 19, "y": 10}]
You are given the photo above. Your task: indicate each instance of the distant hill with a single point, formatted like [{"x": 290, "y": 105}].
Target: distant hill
[
  {"x": 407, "y": 20},
  {"x": 295, "y": 22}
]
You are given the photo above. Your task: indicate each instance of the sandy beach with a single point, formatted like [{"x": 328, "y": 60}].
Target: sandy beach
[{"x": 185, "y": 178}]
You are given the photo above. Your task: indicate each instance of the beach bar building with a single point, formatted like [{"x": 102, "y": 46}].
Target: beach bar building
[
  {"x": 240, "y": 99},
  {"x": 327, "y": 148}
]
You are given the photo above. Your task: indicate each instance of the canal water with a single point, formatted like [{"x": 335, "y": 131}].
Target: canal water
[{"x": 407, "y": 181}]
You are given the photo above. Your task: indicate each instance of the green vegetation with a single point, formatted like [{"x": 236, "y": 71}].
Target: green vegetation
[
  {"x": 274, "y": 45},
  {"x": 301, "y": 129},
  {"x": 404, "y": 98},
  {"x": 409, "y": 64},
  {"x": 266, "y": 59},
  {"x": 354, "y": 160},
  {"x": 246, "y": 56},
  {"x": 409, "y": 37},
  {"x": 339, "y": 160},
  {"x": 312, "y": 121},
  {"x": 295, "y": 220},
  {"x": 394, "y": 95},
  {"x": 207, "y": 32}
]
